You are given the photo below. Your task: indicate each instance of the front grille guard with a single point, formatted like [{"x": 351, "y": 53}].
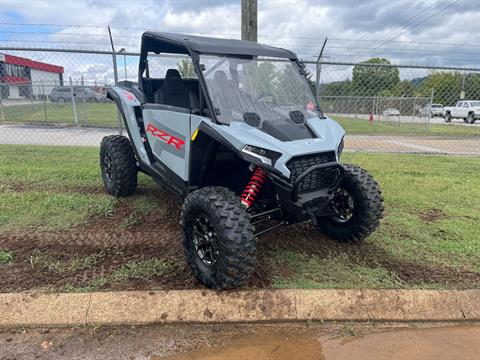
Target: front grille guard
[{"x": 330, "y": 166}]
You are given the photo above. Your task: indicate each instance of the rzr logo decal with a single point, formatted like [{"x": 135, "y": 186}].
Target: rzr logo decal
[{"x": 169, "y": 139}]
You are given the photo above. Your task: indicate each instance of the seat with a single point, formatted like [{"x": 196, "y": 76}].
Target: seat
[{"x": 174, "y": 93}]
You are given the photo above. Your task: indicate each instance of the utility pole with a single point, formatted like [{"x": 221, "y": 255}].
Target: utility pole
[{"x": 249, "y": 20}]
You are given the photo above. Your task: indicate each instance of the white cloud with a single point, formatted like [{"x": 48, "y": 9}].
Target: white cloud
[{"x": 299, "y": 25}]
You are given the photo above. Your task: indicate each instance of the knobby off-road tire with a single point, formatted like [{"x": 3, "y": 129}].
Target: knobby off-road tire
[
  {"x": 367, "y": 210},
  {"x": 118, "y": 165},
  {"x": 230, "y": 227}
]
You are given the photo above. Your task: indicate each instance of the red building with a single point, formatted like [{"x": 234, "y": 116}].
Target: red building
[{"x": 25, "y": 78}]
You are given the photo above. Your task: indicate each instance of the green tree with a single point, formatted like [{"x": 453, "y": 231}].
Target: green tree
[
  {"x": 336, "y": 88},
  {"x": 186, "y": 69},
  {"x": 446, "y": 87},
  {"x": 372, "y": 80},
  {"x": 404, "y": 88}
]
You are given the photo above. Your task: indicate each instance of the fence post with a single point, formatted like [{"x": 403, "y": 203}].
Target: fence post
[
  {"x": 44, "y": 103},
  {"x": 413, "y": 111},
  {"x": 115, "y": 78},
  {"x": 318, "y": 70},
  {"x": 430, "y": 107},
  {"x": 2, "y": 110},
  {"x": 84, "y": 106},
  {"x": 74, "y": 105}
]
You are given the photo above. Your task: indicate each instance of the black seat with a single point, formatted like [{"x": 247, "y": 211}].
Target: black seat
[{"x": 174, "y": 93}]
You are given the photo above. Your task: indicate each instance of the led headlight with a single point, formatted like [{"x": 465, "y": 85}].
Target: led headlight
[{"x": 266, "y": 156}]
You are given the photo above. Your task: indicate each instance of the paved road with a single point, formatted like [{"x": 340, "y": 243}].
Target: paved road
[
  {"x": 246, "y": 342},
  {"x": 49, "y": 135}
]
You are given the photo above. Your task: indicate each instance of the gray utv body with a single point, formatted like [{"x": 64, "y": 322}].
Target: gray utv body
[{"x": 186, "y": 141}]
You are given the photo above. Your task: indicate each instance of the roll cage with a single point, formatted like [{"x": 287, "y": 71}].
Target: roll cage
[{"x": 194, "y": 46}]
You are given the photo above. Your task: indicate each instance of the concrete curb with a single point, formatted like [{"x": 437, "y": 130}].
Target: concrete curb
[{"x": 202, "y": 306}]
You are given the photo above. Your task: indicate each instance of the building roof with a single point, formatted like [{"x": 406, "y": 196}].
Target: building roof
[
  {"x": 162, "y": 42},
  {"x": 17, "y": 60}
]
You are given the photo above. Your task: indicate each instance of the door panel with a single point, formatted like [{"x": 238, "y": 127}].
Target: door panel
[{"x": 168, "y": 132}]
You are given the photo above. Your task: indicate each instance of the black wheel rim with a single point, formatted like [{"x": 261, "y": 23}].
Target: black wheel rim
[
  {"x": 343, "y": 206},
  {"x": 108, "y": 167},
  {"x": 205, "y": 240}
]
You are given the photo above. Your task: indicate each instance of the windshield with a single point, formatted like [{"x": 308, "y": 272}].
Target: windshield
[
  {"x": 436, "y": 106},
  {"x": 475, "y": 103},
  {"x": 266, "y": 88}
]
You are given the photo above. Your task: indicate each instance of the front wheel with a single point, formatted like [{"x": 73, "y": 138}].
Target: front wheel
[
  {"x": 357, "y": 205},
  {"x": 218, "y": 238},
  {"x": 448, "y": 118}
]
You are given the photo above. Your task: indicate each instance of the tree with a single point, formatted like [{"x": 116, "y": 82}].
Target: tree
[
  {"x": 372, "y": 80},
  {"x": 336, "y": 88},
  {"x": 186, "y": 69},
  {"x": 446, "y": 87},
  {"x": 404, "y": 88}
]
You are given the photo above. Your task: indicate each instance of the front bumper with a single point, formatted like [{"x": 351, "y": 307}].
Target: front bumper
[{"x": 309, "y": 194}]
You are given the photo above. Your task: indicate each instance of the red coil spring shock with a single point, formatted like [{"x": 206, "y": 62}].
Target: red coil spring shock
[{"x": 253, "y": 187}]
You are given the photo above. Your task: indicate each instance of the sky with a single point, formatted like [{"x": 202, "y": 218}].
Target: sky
[{"x": 422, "y": 32}]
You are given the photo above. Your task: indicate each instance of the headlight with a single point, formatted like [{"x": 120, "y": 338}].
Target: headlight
[
  {"x": 340, "y": 147},
  {"x": 267, "y": 157}
]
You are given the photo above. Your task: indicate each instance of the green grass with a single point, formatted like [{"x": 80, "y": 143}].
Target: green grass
[
  {"x": 102, "y": 114},
  {"x": 5, "y": 256},
  {"x": 314, "y": 272},
  {"x": 49, "y": 210},
  {"x": 413, "y": 185},
  {"x": 364, "y": 127}
]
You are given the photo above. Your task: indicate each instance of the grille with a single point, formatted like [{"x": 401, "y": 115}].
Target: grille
[{"x": 318, "y": 179}]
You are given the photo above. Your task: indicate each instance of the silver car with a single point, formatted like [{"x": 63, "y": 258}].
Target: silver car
[
  {"x": 63, "y": 94},
  {"x": 432, "y": 111}
]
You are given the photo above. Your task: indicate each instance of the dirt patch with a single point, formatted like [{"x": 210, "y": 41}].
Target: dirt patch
[
  {"x": 85, "y": 257},
  {"x": 432, "y": 215}
]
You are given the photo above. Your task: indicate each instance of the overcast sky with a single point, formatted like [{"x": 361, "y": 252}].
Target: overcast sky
[{"x": 433, "y": 32}]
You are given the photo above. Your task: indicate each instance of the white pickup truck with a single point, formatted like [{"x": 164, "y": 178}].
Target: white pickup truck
[{"x": 468, "y": 110}]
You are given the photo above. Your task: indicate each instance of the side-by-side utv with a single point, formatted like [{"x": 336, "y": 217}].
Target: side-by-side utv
[{"x": 244, "y": 143}]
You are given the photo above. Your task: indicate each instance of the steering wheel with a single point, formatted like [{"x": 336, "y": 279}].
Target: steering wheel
[{"x": 265, "y": 95}]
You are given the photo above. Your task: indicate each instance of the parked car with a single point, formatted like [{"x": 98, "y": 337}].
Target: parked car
[
  {"x": 468, "y": 110},
  {"x": 431, "y": 111},
  {"x": 63, "y": 93},
  {"x": 391, "y": 112}
]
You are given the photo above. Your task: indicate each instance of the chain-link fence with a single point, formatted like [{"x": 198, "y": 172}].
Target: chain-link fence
[{"x": 57, "y": 97}]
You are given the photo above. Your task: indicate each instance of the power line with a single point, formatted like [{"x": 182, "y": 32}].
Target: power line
[{"x": 414, "y": 26}]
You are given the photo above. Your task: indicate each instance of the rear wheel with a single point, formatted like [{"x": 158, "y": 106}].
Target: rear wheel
[
  {"x": 118, "y": 165},
  {"x": 218, "y": 238},
  {"x": 357, "y": 205},
  {"x": 471, "y": 118}
]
